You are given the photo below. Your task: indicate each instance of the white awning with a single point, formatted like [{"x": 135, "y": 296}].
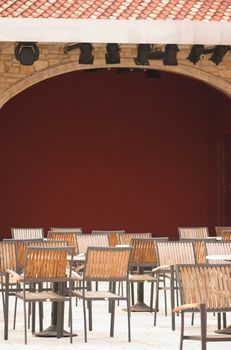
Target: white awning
[{"x": 115, "y": 31}]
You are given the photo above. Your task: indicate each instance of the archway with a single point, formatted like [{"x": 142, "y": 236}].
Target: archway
[{"x": 108, "y": 150}]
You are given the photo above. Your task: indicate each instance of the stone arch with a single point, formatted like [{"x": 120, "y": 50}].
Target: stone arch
[{"x": 193, "y": 72}]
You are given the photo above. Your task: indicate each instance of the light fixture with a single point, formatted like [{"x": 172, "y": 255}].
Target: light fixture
[
  {"x": 195, "y": 53},
  {"x": 86, "y": 56},
  {"x": 170, "y": 55},
  {"x": 153, "y": 74},
  {"x": 26, "y": 53},
  {"x": 218, "y": 53},
  {"x": 143, "y": 51},
  {"x": 113, "y": 54}
]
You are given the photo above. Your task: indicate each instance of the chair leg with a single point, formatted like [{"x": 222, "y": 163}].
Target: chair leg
[
  {"x": 182, "y": 331},
  {"x": 156, "y": 299},
  {"x": 70, "y": 320},
  {"x": 219, "y": 320},
  {"x": 224, "y": 320},
  {"x": 151, "y": 296},
  {"x": 203, "y": 317},
  {"x": 25, "y": 325},
  {"x": 112, "y": 318},
  {"x": 85, "y": 321},
  {"x": 128, "y": 311},
  {"x": 90, "y": 315},
  {"x": 15, "y": 312},
  {"x": 172, "y": 298},
  {"x": 165, "y": 296},
  {"x": 40, "y": 311},
  {"x": 6, "y": 308},
  {"x": 192, "y": 319},
  {"x": 132, "y": 293}
]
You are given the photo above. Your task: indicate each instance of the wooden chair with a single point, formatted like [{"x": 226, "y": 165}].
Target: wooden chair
[
  {"x": 204, "y": 289},
  {"x": 143, "y": 256},
  {"x": 66, "y": 229},
  {"x": 9, "y": 266},
  {"x": 125, "y": 238},
  {"x": 112, "y": 235},
  {"x": 220, "y": 229},
  {"x": 27, "y": 233},
  {"x": 47, "y": 264},
  {"x": 199, "y": 248},
  {"x": 169, "y": 255},
  {"x": 226, "y": 235},
  {"x": 86, "y": 240},
  {"x": 70, "y": 237},
  {"x": 21, "y": 247},
  {"x": 218, "y": 248},
  {"x": 193, "y": 232},
  {"x": 105, "y": 264}
]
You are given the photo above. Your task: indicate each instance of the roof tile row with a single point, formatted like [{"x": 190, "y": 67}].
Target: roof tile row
[{"x": 210, "y": 10}]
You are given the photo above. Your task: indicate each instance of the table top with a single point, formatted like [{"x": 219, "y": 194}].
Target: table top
[{"x": 79, "y": 257}]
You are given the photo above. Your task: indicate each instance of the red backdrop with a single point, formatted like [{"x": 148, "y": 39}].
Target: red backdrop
[{"x": 106, "y": 150}]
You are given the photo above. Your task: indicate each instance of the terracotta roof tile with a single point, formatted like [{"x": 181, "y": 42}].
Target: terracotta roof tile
[{"x": 210, "y": 10}]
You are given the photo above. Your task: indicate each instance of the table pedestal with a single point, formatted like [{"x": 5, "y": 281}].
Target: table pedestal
[
  {"x": 52, "y": 330},
  {"x": 140, "y": 306}
]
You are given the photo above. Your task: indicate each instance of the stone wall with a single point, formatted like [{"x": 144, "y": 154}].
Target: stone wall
[{"x": 53, "y": 61}]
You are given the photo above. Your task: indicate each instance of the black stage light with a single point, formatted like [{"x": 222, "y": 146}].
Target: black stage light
[
  {"x": 219, "y": 53},
  {"x": 26, "y": 53},
  {"x": 170, "y": 54},
  {"x": 195, "y": 53},
  {"x": 86, "y": 56},
  {"x": 113, "y": 54},
  {"x": 143, "y": 51},
  {"x": 153, "y": 74}
]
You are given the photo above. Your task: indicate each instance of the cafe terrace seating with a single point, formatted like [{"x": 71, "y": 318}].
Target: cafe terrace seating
[
  {"x": 219, "y": 230},
  {"x": 47, "y": 264},
  {"x": 105, "y": 264},
  {"x": 203, "y": 289},
  {"x": 193, "y": 232},
  {"x": 27, "y": 233},
  {"x": 66, "y": 229},
  {"x": 169, "y": 255}
]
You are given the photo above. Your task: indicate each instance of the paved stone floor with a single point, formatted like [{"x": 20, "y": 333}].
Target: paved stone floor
[{"x": 144, "y": 335}]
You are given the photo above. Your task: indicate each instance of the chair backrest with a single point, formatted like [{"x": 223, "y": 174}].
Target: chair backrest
[
  {"x": 69, "y": 237},
  {"x": 46, "y": 263},
  {"x": 226, "y": 235},
  {"x": 144, "y": 251},
  {"x": 193, "y": 232},
  {"x": 175, "y": 252},
  {"x": 86, "y": 240},
  {"x": 220, "y": 229},
  {"x": 50, "y": 243},
  {"x": 199, "y": 248},
  {"x": 206, "y": 284},
  {"x": 8, "y": 256},
  {"x": 125, "y": 238},
  {"x": 66, "y": 229},
  {"x": 107, "y": 263},
  {"x": 112, "y": 235},
  {"x": 21, "y": 247},
  {"x": 218, "y": 248},
  {"x": 27, "y": 233}
]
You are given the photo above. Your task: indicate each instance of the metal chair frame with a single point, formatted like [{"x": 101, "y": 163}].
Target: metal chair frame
[
  {"x": 105, "y": 264},
  {"x": 199, "y": 287}
]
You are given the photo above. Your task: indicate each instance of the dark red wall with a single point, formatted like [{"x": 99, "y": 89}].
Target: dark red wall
[{"x": 105, "y": 150}]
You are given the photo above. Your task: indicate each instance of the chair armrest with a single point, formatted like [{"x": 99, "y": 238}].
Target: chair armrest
[
  {"x": 186, "y": 307},
  {"x": 15, "y": 275},
  {"x": 160, "y": 268}
]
